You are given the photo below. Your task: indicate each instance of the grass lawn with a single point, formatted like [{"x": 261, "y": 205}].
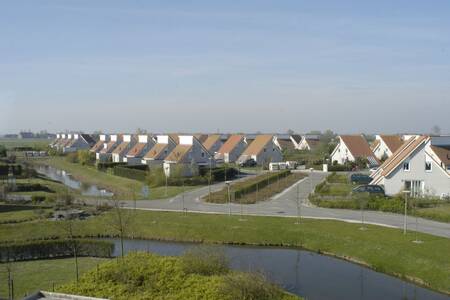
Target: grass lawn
[
  {"x": 16, "y": 214},
  {"x": 438, "y": 213},
  {"x": 276, "y": 186},
  {"x": 31, "y": 276},
  {"x": 35, "y": 143},
  {"x": 383, "y": 249},
  {"x": 120, "y": 186}
]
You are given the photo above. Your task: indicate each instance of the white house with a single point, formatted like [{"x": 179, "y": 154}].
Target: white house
[
  {"x": 103, "y": 138},
  {"x": 156, "y": 155},
  {"x": 232, "y": 149},
  {"x": 263, "y": 150},
  {"x": 351, "y": 147},
  {"x": 285, "y": 142},
  {"x": 119, "y": 153},
  {"x": 105, "y": 153},
  {"x": 309, "y": 142},
  {"x": 188, "y": 155},
  {"x": 385, "y": 145},
  {"x": 137, "y": 152},
  {"x": 79, "y": 142},
  {"x": 421, "y": 166}
]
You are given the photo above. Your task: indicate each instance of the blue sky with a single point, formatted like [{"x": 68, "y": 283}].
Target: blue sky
[{"x": 352, "y": 66}]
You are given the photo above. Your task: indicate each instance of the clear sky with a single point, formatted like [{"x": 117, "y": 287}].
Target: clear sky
[{"x": 351, "y": 66}]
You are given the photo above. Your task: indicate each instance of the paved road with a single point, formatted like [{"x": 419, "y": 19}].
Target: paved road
[{"x": 286, "y": 204}]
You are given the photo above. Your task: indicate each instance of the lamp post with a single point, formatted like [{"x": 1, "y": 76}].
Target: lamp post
[
  {"x": 209, "y": 183},
  {"x": 229, "y": 198},
  {"x": 406, "y": 211},
  {"x": 299, "y": 206}
]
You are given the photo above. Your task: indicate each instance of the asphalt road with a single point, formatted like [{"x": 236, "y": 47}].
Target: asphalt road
[{"x": 286, "y": 204}]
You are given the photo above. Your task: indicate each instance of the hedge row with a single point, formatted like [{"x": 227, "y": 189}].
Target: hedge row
[
  {"x": 4, "y": 169},
  {"x": 54, "y": 248},
  {"x": 261, "y": 182},
  {"x": 103, "y": 166},
  {"x": 218, "y": 174},
  {"x": 135, "y": 174}
]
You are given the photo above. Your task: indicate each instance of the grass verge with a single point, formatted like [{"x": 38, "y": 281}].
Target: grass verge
[{"x": 383, "y": 249}]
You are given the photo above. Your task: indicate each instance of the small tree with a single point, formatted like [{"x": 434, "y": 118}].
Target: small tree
[
  {"x": 121, "y": 220},
  {"x": 85, "y": 157},
  {"x": 68, "y": 227}
]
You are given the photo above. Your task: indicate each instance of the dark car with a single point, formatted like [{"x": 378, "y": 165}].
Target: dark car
[
  {"x": 248, "y": 163},
  {"x": 369, "y": 188},
  {"x": 360, "y": 178}
]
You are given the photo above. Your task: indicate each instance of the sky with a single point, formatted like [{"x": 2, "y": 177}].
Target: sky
[{"x": 228, "y": 66}]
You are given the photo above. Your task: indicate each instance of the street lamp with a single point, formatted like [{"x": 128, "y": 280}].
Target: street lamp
[
  {"x": 406, "y": 211},
  {"x": 228, "y": 183},
  {"x": 209, "y": 183}
]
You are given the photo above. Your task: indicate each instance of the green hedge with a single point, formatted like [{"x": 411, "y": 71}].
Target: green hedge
[
  {"x": 103, "y": 166},
  {"x": 4, "y": 170},
  {"x": 218, "y": 174},
  {"x": 263, "y": 181},
  {"x": 54, "y": 248},
  {"x": 139, "y": 175}
]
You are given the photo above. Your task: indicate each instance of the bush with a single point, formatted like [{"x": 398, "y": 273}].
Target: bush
[
  {"x": 38, "y": 198},
  {"x": 218, "y": 174},
  {"x": 204, "y": 261},
  {"x": 54, "y": 248},
  {"x": 86, "y": 157},
  {"x": 2, "y": 151},
  {"x": 16, "y": 169},
  {"x": 103, "y": 166},
  {"x": 72, "y": 157},
  {"x": 32, "y": 187},
  {"x": 134, "y": 174},
  {"x": 250, "y": 286}
]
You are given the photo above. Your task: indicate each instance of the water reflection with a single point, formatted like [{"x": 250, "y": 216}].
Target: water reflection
[
  {"x": 304, "y": 273},
  {"x": 65, "y": 178}
]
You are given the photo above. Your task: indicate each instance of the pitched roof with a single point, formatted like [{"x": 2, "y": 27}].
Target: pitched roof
[
  {"x": 393, "y": 142},
  {"x": 211, "y": 141},
  {"x": 156, "y": 151},
  {"x": 401, "y": 154},
  {"x": 97, "y": 147},
  {"x": 443, "y": 154},
  {"x": 136, "y": 149},
  {"x": 109, "y": 146},
  {"x": 357, "y": 145},
  {"x": 178, "y": 153},
  {"x": 201, "y": 137},
  {"x": 88, "y": 138},
  {"x": 231, "y": 143},
  {"x": 175, "y": 138},
  {"x": 258, "y": 144},
  {"x": 375, "y": 144},
  {"x": 297, "y": 138},
  {"x": 312, "y": 142},
  {"x": 122, "y": 147}
]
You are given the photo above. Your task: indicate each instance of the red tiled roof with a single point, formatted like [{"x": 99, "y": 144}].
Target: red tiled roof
[
  {"x": 156, "y": 151},
  {"x": 231, "y": 143},
  {"x": 393, "y": 142},
  {"x": 258, "y": 144},
  {"x": 211, "y": 141},
  {"x": 178, "y": 153},
  {"x": 357, "y": 145}
]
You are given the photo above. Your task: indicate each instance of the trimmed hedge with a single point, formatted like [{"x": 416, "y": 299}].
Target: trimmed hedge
[
  {"x": 103, "y": 166},
  {"x": 54, "y": 248},
  {"x": 4, "y": 170},
  {"x": 250, "y": 187},
  {"x": 218, "y": 174},
  {"x": 135, "y": 174}
]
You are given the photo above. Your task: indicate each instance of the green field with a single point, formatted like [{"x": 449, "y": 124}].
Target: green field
[
  {"x": 15, "y": 214},
  {"x": 31, "y": 276},
  {"x": 121, "y": 187},
  {"x": 38, "y": 144},
  {"x": 383, "y": 249}
]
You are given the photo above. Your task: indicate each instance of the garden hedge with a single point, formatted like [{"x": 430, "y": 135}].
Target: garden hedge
[
  {"x": 54, "y": 248},
  {"x": 135, "y": 174},
  {"x": 263, "y": 181}
]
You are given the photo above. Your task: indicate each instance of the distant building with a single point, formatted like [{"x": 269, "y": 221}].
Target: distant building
[
  {"x": 26, "y": 135},
  {"x": 164, "y": 145},
  {"x": 263, "y": 150},
  {"x": 385, "y": 145},
  {"x": 351, "y": 147},
  {"x": 213, "y": 143},
  {"x": 137, "y": 152},
  {"x": 120, "y": 152},
  {"x": 309, "y": 142},
  {"x": 232, "y": 149}
]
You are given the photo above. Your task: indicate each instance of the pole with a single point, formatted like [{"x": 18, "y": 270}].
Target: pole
[
  {"x": 299, "y": 206},
  {"x": 182, "y": 198},
  {"x": 166, "y": 184},
  {"x": 209, "y": 183},
  {"x": 406, "y": 212},
  {"x": 229, "y": 200}
]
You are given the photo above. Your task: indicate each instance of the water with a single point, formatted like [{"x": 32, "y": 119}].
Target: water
[
  {"x": 307, "y": 274},
  {"x": 66, "y": 179}
]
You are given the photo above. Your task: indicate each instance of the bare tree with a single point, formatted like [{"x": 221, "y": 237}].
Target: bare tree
[
  {"x": 68, "y": 227},
  {"x": 121, "y": 221}
]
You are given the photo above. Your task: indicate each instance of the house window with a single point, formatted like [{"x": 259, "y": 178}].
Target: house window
[
  {"x": 203, "y": 154},
  {"x": 428, "y": 166},
  {"x": 415, "y": 188},
  {"x": 264, "y": 149},
  {"x": 406, "y": 166}
]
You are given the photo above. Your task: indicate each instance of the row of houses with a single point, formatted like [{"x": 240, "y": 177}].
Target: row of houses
[{"x": 72, "y": 142}]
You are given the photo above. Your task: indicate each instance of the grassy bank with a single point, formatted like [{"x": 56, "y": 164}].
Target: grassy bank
[
  {"x": 30, "y": 276},
  {"x": 39, "y": 144},
  {"x": 383, "y": 249},
  {"x": 149, "y": 276},
  {"x": 121, "y": 187}
]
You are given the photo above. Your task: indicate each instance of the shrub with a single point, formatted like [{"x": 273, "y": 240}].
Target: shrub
[
  {"x": 37, "y": 198},
  {"x": 103, "y": 166},
  {"x": 134, "y": 174},
  {"x": 32, "y": 187},
  {"x": 15, "y": 168},
  {"x": 204, "y": 261},
  {"x": 54, "y": 248},
  {"x": 72, "y": 157},
  {"x": 249, "y": 286},
  {"x": 85, "y": 157}
]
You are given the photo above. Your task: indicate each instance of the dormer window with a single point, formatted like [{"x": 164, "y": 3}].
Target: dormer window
[
  {"x": 406, "y": 166},
  {"x": 428, "y": 167}
]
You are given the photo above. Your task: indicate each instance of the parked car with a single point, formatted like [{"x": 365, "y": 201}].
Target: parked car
[
  {"x": 369, "y": 188},
  {"x": 360, "y": 178},
  {"x": 248, "y": 163}
]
